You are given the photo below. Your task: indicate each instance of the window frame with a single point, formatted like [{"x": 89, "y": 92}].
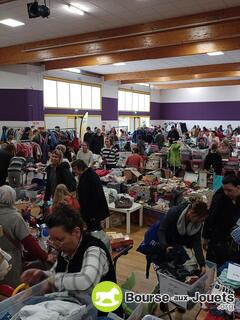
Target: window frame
[
  {"x": 81, "y": 83},
  {"x": 144, "y": 93}
]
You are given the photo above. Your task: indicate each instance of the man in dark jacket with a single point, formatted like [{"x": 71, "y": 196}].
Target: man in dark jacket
[
  {"x": 88, "y": 136},
  {"x": 173, "y": 135},
  {"x": 213, "y": 159},
  {"x": 92, "y": 200},
  {"x": 83, "y": 260},
  {"x": 182, "y": 225},
  {"x": 97, "y": 142},
  {"x": 6, "y": 154},
  {"x": 159, "y": 139},
  {"x": 224, "y": 213}
]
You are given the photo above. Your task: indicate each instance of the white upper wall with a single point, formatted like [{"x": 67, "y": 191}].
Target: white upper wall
[
  {"x": 21, "y": 77},
  {"x": 110, "y": 90},
  {"x": 155, "y": 95},
  {"x": 224, "y": 93}
]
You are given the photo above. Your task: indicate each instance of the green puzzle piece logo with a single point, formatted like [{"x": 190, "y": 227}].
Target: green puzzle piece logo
[{"x": 107, "y": 296}]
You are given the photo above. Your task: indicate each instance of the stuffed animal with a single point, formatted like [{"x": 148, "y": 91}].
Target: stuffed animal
[{"x": 5, "y": 267}]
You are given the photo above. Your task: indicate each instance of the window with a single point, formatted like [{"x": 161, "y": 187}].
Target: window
[
  {"x": 121, "y": 100},
  {"x": 64, "y": 94},
  {"x": 50, "y": 93},
  {"x": 63, "y": 98},
  {"x": 75, "y": 96},
  {"x": 96, "y": 98},
  {"x": 86, "y": 97},
  {"x": 133, "y": 101}
]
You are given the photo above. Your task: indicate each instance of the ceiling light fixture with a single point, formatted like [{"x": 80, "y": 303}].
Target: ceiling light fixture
[
  {"x": 75, "y": 70},
  {"x": 12, "y": 23},
  {"x": 119, "y": 64},
  {"x": 215, "y": 53},
  {"x": 74, "y": 9},
  {"x": 143, "y": 84}
]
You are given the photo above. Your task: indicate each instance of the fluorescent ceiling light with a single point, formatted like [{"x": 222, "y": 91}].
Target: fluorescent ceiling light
[
  {"x": 12, "y": 23},
  {"x": 75, "y": 70},
  {"x": 119, "y": 64},
  {"x": 143, "y": 84},
  {"x": 215, "y": 53},
  {"x": 73, "y": 8}
]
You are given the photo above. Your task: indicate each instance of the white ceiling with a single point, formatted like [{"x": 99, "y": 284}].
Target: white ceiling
[
  {"x": 165, "y": 63},
  {"x": 101, "y": 14}
]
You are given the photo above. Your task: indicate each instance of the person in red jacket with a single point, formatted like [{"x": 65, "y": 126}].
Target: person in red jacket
[
  {"x": 135, "y": 160},
  {"x": 16, "y": 236}
]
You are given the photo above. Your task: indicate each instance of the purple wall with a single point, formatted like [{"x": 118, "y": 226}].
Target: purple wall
[
  {"x": 224, "y": 110},
  {"x": 136, "y": 114},
  {"x": 109, "y": 109},
  {"x": 35, "y": 105},
  {"x": 21, "y": 105},
  {"x": 155, "y": 110}
]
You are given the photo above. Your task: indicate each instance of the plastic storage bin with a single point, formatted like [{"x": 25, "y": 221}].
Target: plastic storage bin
[
  {"x": 173, "y": 287},
  {"x": 10, "y": 307}
]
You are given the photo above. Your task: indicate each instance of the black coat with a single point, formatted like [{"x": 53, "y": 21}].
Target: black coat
[
  {"x": 92, "y": 200},
  {"x": 63, "y": 176},
  {"x": 169, "y": 236},
  {"x": 88, "y": 137},
  {"x": 214, "y": 160},
  {"x": 173, "y": 135},
  {"x": 97, "y": 143},
  {"x": 223, "y": 215},
  {"x": 5, "y": 158}
]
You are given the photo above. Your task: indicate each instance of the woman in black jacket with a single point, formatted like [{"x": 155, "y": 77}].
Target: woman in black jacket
[
  {"x": 58, "y": 172},
  {"x": 182, "y": 225},
  {"x": 92, "y": 200}
]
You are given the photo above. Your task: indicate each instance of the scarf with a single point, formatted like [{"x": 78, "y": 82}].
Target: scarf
[{"x": 191, "y": 228}]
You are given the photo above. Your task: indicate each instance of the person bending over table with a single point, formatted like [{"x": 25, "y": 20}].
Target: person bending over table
[
  {"x": 182, "y": 225},
  {"x": 83, "y": 260}
]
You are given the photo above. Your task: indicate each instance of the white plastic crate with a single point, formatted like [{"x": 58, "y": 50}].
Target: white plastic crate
[
  {"x": 10, "y": 307},
  {"x": 173, "y": 287}
]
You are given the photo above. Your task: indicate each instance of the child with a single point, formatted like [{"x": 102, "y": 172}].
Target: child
[{"x": 63, "y": 196}]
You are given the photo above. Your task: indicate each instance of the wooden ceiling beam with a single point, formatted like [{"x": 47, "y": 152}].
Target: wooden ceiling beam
[
  {"x": 156, "y": 53},
  {"x": 206, "y": 75},
  {"x": 145, "y": 28},
  {"x": 198, "y": 84},
  {"x": 172, "y": 71},
  {"x": 222, "y": 30}
]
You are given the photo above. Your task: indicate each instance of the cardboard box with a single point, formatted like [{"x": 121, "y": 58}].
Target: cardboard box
[{"x": 132, "y": 175}]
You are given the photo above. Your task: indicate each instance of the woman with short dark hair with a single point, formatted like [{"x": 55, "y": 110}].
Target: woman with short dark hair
[{"x": 183, "y": 225}]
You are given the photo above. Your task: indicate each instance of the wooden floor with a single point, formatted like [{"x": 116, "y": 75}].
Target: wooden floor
[{"x": 136, "y": 262}]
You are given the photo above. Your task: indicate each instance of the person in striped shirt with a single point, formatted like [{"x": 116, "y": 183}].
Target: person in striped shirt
[
  {"x": 109, "y": 154},
  {"x": 15, "y": 171}
]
